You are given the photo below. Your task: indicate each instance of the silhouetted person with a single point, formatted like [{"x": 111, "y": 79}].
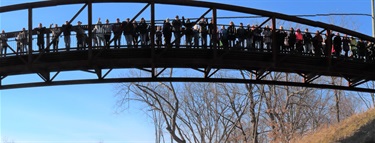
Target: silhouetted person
[
  {"x": 307, "y": 39},
  {"x": 203, "y": 32},
  {"x": 107, "y": 33},
  {"x": 280, "y": 39},
  {"x": 317, "y": 44},
  {"x": 188, "y": 32},
  {"x": 159, "y": 35},
  {"x": 80, "y": 35},
  {"x": 177, "y": 27},
  {"x": 337, "y": 42},
  {"x": 66, "y": 29},
  {"x": 167, "y": 32},
  {"x": 231, "y": 34},
  {"x": 116, "y": 28},
  {"x": 142, "y": 26},
  {"x": 40, "y": 31},
  {"x": 128, "y": 28},
  {"x": 345, "y": 45},
  {"x": 241, "y": 35},
  {"x": 249, "y": 37},
  {"x": 223, "y": 36},
  {"x": 291, "y": 39}
]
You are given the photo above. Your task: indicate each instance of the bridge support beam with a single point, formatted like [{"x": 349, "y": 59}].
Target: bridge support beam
[
  {"x": 353, "y": 82},
  {"x": 1, "y": 79},
  {"x": 99, "y": 73},
  {"x": 275, "y": 49},
  {"x": 30, "y": 35},
  {"x": 89, "y": 22},
  {"x": 46, "y": 76},
  {"x": 309, "y": 77},
  {"x": 328, "y": 48},
  {"x": 260, "y": 74}
]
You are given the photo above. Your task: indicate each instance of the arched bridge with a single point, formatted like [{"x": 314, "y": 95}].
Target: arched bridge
[{"x": 101, "y": 60}]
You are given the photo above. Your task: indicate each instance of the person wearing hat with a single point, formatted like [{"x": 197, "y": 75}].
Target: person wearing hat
[{"x": 80, "y": 35}]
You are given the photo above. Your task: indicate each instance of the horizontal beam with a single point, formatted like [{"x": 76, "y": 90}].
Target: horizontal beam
[{"x": 211, "y": 80}]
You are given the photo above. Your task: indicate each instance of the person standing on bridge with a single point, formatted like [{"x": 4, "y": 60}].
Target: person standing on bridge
[
  {"x": 345, "y": 45},
  {"x": 135, "y": 34},
  {"x": 307, "y": 42},
  {"x": 41, "y": 31},
  {"x": 249, "y": 37},
  {"x": 203, "y": 32},
  {"x": 196, "y": 36},
  {"x": 291, "y": 40},
  {"x": 353, "y": 47},
  {"x": 241, "y": 35},
  {"x": 23, "y": 39},
  {"x": 188, "y": 31},
  {"x": 128, "y": 28},
  {"x": 143, "y": 32},
  {"x": 177, "y": 27},
  {"x": 4, "y": 44},
  {"x": 318, "y": 44},
  {"x": 107, "y": 33},
  {"x": 299, "y": 41},
  {"x": 80, "y": 34},
  {"x": 337, "y": 42},
  {"x": 159, "y": 35},
  {"x": 223, "y": 36},
  {"x": 280, "y": 39},
  {"x": 267, "y": 33},
  {"x": 100, "y": 32},
  {"x": 231, "y": 34},
  {"x": 55, "y": 37},
  {"x": 116, "y": 28},
  {"x": 66, "y": 29},
  {"x": 167, "y": 32}
]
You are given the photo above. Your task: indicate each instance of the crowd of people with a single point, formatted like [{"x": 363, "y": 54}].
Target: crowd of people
[{"x": 197, "y": 34}]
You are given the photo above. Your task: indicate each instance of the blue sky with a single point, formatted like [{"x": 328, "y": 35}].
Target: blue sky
[{"x": 86, "y": 113}]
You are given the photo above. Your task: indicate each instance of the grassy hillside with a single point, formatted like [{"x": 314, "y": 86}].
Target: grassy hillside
[{"x": 358, "y": 128}]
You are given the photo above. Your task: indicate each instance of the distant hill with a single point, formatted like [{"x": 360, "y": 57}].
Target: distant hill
[{"x": 359, "y": 128}]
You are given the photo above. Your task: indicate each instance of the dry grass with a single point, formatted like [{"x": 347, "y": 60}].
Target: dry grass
[{"x": 339, "y": 131}]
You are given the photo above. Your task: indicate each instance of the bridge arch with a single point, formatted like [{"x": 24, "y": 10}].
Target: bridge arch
[{"x": 96, "y": 60}]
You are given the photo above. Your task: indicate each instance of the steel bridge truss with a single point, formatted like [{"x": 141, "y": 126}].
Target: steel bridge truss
[{"x": 102, "y": 62}]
